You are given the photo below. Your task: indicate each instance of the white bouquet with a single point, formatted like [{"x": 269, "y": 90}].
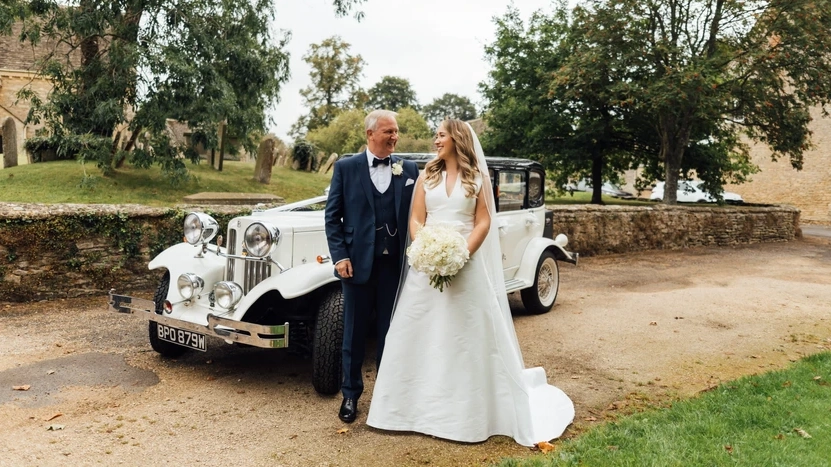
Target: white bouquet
[{"x": 440, "y": 251}]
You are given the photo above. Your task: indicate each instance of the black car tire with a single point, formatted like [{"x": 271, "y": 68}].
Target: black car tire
[
  {"x": 164, "y": 348},
  {"x": 327, "y": 370},
  {"x": 540, "y": 297}
]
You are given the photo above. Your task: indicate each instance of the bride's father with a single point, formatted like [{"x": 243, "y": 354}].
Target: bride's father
[{"x": 366, "y": 226}]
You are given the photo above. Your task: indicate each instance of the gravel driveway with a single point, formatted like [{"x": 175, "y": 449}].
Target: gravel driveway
[{"x": 627, "y": 330}]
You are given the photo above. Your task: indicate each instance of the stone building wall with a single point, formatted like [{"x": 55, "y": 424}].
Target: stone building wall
[
  {"x": 18, "y": 67},
  {"x": 808, "y": 189},
  {"x": 54, "y": 251},
  {"x": 16, "y": 110}
]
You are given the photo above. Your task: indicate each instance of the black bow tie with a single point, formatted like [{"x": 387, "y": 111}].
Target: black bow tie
[{"x": 376, "y": 161}]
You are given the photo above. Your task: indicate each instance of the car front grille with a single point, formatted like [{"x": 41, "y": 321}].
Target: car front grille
[
  {"x": 255, "y": 272},
  {"x": 232, "y": 250}
]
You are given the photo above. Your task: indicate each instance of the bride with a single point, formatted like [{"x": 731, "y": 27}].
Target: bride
[{"x": 452, "y": 366}]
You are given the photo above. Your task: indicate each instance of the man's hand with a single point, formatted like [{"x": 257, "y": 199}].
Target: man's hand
[{"x": 344, "y": 269}]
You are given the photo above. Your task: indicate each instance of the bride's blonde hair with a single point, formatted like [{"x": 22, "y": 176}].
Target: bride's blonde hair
[{"x": 468, "y": 167}]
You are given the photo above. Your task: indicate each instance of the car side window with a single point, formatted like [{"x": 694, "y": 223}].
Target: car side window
[
  {"x": 536, "y": 189},
  {"x": 511, "y": 190}
]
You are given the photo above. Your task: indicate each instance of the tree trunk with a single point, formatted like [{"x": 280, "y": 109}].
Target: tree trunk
[
  {"x": 597, "y": 176},
  {"x": 675, "y": 135}
]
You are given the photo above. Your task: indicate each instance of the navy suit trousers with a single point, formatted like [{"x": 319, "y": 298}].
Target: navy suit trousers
[{"x": 359, "y": 300}]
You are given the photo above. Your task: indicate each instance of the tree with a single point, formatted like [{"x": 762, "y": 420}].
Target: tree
[
  {"x": 524, "y": 118},
  {"x": 391, "y": 93},
  {"x": 138, "y": 63},
  {"x": 415, "y": 135},
  {"x": 412, "y": 124},
  {"x": 344, "y": 135},
  {"x": 709, "y": 72},
  {"x": 335, "y": 79},
  {"x": 448, "y": 106}
]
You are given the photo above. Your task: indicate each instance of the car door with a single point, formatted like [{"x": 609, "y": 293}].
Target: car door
[{"x": 511, "y": 222}]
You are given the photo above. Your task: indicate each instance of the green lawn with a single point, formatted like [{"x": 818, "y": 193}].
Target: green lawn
[
  {"x": 782, "y": 418},
  {"x": 60, "y": 182}
]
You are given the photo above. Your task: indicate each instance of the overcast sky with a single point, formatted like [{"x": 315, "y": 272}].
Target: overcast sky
[{"x": 436, "y": 44}]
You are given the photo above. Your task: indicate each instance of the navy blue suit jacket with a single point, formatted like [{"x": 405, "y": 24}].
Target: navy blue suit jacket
[{"x": 350, "y": 212}]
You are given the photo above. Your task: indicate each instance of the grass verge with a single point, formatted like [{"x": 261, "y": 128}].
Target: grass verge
[
  {"x": 781, "y": 418},
  {"x": 64, "y": 182}
]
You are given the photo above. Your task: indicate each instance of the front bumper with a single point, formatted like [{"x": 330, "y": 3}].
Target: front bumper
[{"x": 256, "y": 335}]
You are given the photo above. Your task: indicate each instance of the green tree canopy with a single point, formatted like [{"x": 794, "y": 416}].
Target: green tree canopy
[
  {"x": 344, "y": 135},
  {"x": 707, "y": 73},
  {"x": 412, "y": 124},
  {"x": 141, "y": 62},
  {"x": 335, "y": 75},
  {"x": 448, "y": 106},
  {"x": 391, "y": 93}
]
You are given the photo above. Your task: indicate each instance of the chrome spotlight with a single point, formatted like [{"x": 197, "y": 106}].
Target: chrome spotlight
[
  {"x": 261, "y": 238},
  {"x": 200, "y": 228}
]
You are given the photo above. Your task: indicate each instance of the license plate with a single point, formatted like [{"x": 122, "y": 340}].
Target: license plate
[{"x": 190, "y": 339}]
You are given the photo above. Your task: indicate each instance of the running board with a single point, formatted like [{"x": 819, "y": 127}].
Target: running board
[{"x": 512, "y": 285}]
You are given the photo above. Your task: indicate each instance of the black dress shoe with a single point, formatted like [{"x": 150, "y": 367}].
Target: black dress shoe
[{"x": 348, "y": 410}]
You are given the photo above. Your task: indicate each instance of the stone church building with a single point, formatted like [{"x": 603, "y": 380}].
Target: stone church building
[
  {"x": 808, "y": 189},
  {"x": 17, "y": 70}
]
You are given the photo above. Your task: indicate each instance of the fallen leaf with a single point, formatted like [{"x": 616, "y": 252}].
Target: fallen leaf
[
  {"x": 55, "y": 427},
  {"x": 779, "y": 436},
  {"x": 240, "y": 392},
  {"x": 49, "y": 418},
  {"x": 817, "y": 378},
  {"x": 343, "y": 431},
  {"x": 653, "y": 323},
  {"x": 545, "y": 447},
  {"x": 210, "y": 378},
  {"x": 575, "y": 377},
  {"x": 728, "y": 448},
  {"x": 24, "y": 387},
  {"x": 293, "y": 437},
  {"x": 755, "y": 356},
  {"x": 786, "y": 384},
  {"x": 802, "y": 432},
  {"x": 611, "y": 448},
  {"x": 590, "y": 419},
  {"x": 50, "y": 372}
]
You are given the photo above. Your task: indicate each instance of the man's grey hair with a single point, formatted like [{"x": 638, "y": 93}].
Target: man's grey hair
[{"x": 371, "y": 121}]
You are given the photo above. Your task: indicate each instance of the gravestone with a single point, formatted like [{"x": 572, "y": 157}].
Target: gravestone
[
  {"x": 265, "y": 159},
  {"x": 9, "y": 131},
  {"x": 329, "y": 162}
]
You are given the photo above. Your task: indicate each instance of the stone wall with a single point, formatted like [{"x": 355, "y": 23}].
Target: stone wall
[
  {"x": 55, "y": 251},
  {"x": 598, "y": 230}
]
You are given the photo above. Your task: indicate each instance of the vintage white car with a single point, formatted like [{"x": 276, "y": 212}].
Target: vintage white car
[{"x": 269, "y": 282}]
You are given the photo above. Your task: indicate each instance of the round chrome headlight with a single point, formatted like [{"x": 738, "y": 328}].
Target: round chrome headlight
[
  {"x": 190, "y": 285},
  {"x": 200, "y": 228},
  {"x": 261, "y": 238},
  {"x": 227, "y": 294}
]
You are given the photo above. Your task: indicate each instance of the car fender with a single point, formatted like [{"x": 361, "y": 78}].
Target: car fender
[
  {"x": 181, "y": 258},
  {"x": 291, "y": 283},
  {"x": 528, "y": 267}
]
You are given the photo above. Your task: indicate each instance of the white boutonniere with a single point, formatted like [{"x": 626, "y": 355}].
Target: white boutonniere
[{"x": 398, "y": 168}]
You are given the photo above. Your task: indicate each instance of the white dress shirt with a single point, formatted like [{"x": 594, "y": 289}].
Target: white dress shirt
[{"x": 381, "y": 175}]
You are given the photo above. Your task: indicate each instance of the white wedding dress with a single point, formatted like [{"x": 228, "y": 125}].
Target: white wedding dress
[{"x": 452, "y": 366}]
